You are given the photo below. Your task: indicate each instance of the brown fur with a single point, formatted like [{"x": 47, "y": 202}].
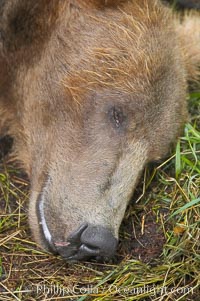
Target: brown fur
[{"x": 91, "y": 92}]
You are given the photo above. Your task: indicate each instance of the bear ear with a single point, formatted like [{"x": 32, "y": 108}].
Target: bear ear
[{"x": 188, "y": 28}]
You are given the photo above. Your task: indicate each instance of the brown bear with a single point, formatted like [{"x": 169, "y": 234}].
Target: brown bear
[{"x": 91, "y": 91}]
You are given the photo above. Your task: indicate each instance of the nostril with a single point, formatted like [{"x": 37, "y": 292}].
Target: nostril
[
  {"x": 89, "y": 251},
  {"x": 100, "y": 240},
  {"x": 75, "y": 237},
  {"x": 95, "y": 249}
]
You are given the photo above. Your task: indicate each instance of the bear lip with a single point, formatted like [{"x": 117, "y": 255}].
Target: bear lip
[
  {"x": 45, "y": 232},
  {"x": 42, "y": 222}
]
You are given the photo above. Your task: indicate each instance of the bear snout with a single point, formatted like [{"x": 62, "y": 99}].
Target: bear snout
[{"x": 87, "y": 242}]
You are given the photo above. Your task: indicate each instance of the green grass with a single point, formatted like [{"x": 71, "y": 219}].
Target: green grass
[{"x": 171, "y": 198}]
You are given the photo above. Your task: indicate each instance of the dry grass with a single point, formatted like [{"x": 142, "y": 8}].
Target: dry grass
[{"x": 159, "y": 252}]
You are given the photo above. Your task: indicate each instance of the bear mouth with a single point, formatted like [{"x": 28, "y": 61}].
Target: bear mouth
[
  {"x": 77, "y": 246},
  {"x": 70, "y": 250},
  {"x": 73, "y": 249},
  {"x": 87, "y": 241}
]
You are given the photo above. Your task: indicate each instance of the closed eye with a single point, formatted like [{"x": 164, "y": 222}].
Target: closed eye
[{"x": 117, "y": 116}]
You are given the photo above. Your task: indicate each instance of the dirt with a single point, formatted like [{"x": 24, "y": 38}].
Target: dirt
[{"x": 145, "y": 235}]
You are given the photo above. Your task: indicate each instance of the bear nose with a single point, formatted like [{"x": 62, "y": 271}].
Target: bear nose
[{"x": 88, "y": 241}]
